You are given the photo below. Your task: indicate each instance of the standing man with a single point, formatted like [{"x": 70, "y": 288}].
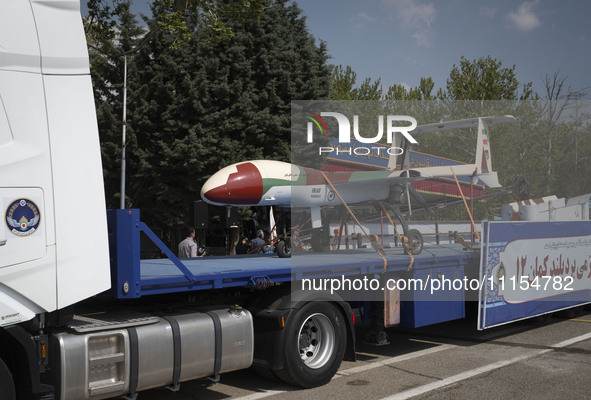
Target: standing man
[
  {"x": 188, "y": 247},
  {"x": 258, "y": 242}
]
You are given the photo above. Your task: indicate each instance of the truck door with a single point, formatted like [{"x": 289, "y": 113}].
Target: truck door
[
  {"x": 27, "y": 255},
  {"x": 24, "y": 143}
]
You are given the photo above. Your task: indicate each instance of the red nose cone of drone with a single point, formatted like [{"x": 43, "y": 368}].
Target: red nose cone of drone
[{"x": 239, "y": 184}]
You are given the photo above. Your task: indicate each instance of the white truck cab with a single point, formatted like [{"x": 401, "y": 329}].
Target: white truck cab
[{"x": 53, "y": 234}]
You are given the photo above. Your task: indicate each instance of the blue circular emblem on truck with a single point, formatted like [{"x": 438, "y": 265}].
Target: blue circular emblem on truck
[{"x": 23, "y": 217}]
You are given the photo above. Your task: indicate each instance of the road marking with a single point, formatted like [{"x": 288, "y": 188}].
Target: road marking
[
  {"x": 392, "y": 360},
  {"x": 460, "y": 377},
  {"x": 572, "y": 341},
  {"x": 580, "y": 320},
  {"x": 469, "y": 374},
  {"x": 355, "y": 370},
  {"x": 265, "y": 393}
]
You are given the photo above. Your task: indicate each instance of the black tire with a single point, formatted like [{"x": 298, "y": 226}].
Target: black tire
[
  {"x": 7, "y": 391},
  {"x": 415, "y": 241},
  {"x": 315, "y": 345},
  {"x": 284, "y": 248}
]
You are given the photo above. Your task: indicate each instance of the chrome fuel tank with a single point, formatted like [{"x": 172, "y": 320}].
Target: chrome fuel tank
[{"x": 104, "y": 363}]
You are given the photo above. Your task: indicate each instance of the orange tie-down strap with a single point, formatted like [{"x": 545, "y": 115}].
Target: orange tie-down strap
[
  {"x": 403, "y": 238},
  {"x": 372, "y": 238}
]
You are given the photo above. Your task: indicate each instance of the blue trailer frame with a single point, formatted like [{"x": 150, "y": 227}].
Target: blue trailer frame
[{"x": 134, "y": 278}]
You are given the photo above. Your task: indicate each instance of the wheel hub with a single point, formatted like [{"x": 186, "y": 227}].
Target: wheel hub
[
  {"x": 305, "y": 341},
  {"x": 316, "y": 340}
]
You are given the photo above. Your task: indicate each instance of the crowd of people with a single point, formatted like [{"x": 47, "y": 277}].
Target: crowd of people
[
  {"x": 257, "y": 243},
  {"x": 188, "y": 248}
]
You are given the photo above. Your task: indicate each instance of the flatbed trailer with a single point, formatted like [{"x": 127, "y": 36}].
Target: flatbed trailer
[
  {"x": 414, "y": 306},
  {"x": 169, "y": 275}
]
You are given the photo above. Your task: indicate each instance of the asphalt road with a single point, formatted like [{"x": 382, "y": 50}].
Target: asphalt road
[{"x": 524, "y": 360}]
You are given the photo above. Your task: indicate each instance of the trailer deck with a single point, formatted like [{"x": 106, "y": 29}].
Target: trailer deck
[
  {"x": 136, "y": 278},
  {"x": 311, "y": 265}
]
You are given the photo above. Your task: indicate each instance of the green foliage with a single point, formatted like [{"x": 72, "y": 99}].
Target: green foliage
[
  {"x": 216, "y": 15},
  {"x": 343, "y": 85},
  {"x": 485, "y": 79},
  {"x": 100, "y": 23},
  {"x": 170, "y": 19},
  {"x": 422, "y": 92}
]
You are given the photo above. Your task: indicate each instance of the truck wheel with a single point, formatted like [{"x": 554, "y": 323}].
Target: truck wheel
[
  {"x": 315, "y": 345},
  {"x": 284, "y": 248},
  {"x": 7, "y": 391},
  {"x": 415, "y": 241}
]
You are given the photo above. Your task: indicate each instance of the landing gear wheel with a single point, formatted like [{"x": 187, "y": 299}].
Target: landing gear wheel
[
  {"x": 7, "y": 391},
  {"x": 315, "y": 344},
  {"x": 415, "y": 242},
  {"x": 284, "y": 248}
]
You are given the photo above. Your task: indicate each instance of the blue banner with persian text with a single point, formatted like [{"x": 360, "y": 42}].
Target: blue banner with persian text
[{"x": 533, "y": 268}]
